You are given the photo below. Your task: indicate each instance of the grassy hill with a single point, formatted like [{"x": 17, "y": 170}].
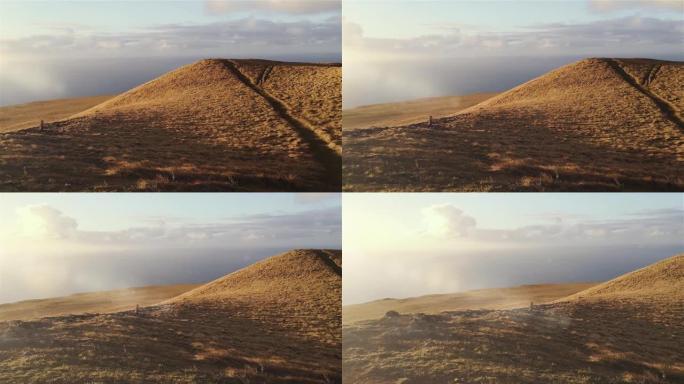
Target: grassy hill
[
  {"x": 594, "y": 125},
  {"x": 91, "y": 302},
  {"x": 277, "y": 321},
  {"x": 18, "y": 117},
  {"x": 493, "y": 298},
  {"x": 627, "y": 330},
  {"x": 207, "y": 126},
  {"x": 408, "y": 112}
]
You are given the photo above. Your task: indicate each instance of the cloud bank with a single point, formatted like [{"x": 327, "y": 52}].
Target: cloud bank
[
  {"x": 617, "y": 36},
  {"x": 49, "y": 254},
  {"x": 295, "y": 7},
  {"x": 449, "y": 250},
  {"x": 448, "y": 222},
  {"x": 458, "y": 58},
  {"x": 231, "y": 38}
]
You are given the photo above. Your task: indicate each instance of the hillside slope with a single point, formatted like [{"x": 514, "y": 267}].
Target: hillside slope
[
  {"x": 493, "y": 298},
  {"x": 204, "y": 126},
  {"x": 22, "y": 116},
  {"x": 277, "y": 321},
  {"x": 91, "y": 302},
  {"x": 627, "y": 330},
  {"x": 408, "y": 112},
  {"x": 594, "y": 125},
  {"x": 663, "y": 280}
]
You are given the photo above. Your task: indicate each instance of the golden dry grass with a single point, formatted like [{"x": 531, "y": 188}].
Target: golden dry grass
[
  {"x": 631, "y": 338},
  {"x": 278, "y": 321},
  {"x": 494, "y": 298},
  {"x": 205, "y": 126},
  {"x": 16, "y": 117},
  {"x": 91, "y": 302},
  {"x": 408, "y": 112},
  {"x": 588, "y": 126}
]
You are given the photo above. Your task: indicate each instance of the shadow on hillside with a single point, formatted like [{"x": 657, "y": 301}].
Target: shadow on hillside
[
  {"x": 562, "y": 343},
  {"x": 499, "y": 154},
  {"x": 115, "y": 154}
]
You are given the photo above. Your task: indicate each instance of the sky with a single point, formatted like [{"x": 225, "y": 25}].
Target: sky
[
  {"x": 58, "y": 244},
  {"x": 58, "y": 49},
  {"x": 411, "y": 244},
  {"x": 409, "y": 49}
]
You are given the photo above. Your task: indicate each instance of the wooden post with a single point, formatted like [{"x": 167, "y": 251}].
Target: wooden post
[
  {"x": 42, "y": 125},
  {"x": 430, "y": 121},
  {"x": 137, "y": 310}
]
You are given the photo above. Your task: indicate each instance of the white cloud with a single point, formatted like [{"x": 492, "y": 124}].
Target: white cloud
[
  {"x": 617, "y": 36},
  {"x": 246, "y": 36},
  {"x": 296, "y": 7},
  {"x": 616, "y": 5},
  {"x": 43, "y": 221},
  {"x": 447, "y": 221},
  {"x": 315, "y": 198}
]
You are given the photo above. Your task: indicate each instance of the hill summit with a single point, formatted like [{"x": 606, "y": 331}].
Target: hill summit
[{"x": 294, "y": 275}]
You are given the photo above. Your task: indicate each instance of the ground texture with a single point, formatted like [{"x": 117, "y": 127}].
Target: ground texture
[{"x": 628, "y": 330}]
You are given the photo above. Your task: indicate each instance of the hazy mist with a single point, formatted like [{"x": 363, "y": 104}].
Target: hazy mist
[
  {"x": 59, "y": 275},
  {"x": 410, "y": 275}
]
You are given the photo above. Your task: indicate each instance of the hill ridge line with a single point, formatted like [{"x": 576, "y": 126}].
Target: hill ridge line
[
  {"x": 327, "y": 259},
  {"x": 665, "y": 107},
  {"x": 325, "y": 150}
]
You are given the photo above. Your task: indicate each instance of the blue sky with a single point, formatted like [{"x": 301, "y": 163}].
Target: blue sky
[
  {"x": 400, "y": 245},
  {"x": 58, "y": 244}
]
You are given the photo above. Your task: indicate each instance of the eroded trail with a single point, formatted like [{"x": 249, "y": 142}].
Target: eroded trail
[
  {"x": 667, "y": 109},
  {"x": 328, "y": 260},
  {"x": 325, "y": 150}
]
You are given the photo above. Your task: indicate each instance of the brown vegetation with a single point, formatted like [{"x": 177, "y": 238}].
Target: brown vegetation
[
  {"x": 628, "y": 330},
  {"x": 205, "y": 126},
  {"x": 493, "y": 298},
  {"x": 595, "y": 125},
  {"x": 17, "y": 117},
  {"x": 277, "y": 321},
  {"x": 408, "y": 112},
  {"x": 91, "y": 302}
]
